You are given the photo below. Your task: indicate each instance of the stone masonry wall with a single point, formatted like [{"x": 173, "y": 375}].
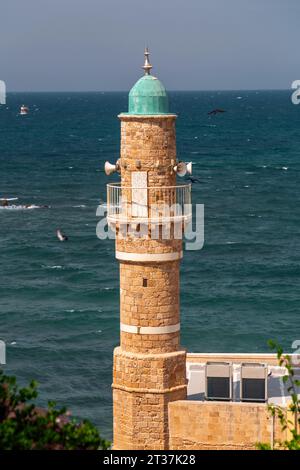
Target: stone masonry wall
[
  {"x": 220, "y": 425},
  {"x": 149, "y": 296},
  {"x": 148, "y": 140},
  {"x": 144, "y": 385}
]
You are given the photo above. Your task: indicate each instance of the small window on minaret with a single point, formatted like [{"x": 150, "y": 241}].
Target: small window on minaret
[{"x": 145, "y": 282}]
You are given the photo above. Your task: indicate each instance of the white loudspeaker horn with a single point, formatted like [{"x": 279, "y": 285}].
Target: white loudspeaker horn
[
  {"x": 180, "y": 169},
  {"x": 189, "y": 168},
  {"x": 109, "y": 168}
]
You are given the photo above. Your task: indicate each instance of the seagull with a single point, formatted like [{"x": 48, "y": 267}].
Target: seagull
[{"x": 61, "y": 236}]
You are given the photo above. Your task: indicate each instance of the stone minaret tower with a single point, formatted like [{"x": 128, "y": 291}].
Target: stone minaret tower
[{"x": 149, "y": 366}]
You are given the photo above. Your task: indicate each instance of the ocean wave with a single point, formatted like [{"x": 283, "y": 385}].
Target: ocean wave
[
  {"x": 53, "y": 267},
  {"x": 83, "y": 310},
  {"x": 22, "y": 207},
  {"x": 284, "y": 168},
  {"x": 69, "y": 267},
  {"x": 9, "y": 199}
]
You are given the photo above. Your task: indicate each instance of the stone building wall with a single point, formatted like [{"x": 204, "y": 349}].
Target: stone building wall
[
  {"x": 221, "y": 425},
  {"x": 148, "y": 140},
  {"x": 149, "y": 298}
]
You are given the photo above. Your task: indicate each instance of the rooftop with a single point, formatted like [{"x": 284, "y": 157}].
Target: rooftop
[{"x": 277, "y": 390}]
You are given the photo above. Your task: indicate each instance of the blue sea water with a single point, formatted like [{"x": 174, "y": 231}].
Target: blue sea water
[{"x": 59, "y": 302}]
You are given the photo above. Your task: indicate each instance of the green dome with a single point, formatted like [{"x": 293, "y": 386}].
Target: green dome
[{"x": 148, "y": 96}]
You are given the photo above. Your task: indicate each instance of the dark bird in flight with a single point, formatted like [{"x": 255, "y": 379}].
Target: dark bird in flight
[
  {"x": 193, "y": 180},
  {"x": 216, "y": 111}
]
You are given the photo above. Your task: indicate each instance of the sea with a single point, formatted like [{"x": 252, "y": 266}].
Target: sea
[{"x": 59, "y": 302}]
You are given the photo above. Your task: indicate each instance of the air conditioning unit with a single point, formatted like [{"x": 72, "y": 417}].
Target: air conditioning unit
[
  {"x": 218, "y": 381},
  {"x": 254, "y": 382}
]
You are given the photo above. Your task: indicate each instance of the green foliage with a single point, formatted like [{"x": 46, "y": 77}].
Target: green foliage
[
  {"x": 291, "y": 424},
  {"x": 24, "y": 426}
]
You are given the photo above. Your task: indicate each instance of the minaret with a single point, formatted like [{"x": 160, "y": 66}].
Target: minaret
[{"x": 149, "y": 365}]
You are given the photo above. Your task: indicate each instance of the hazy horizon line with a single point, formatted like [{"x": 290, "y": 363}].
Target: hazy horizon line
[{"x": 168, "y": 90}]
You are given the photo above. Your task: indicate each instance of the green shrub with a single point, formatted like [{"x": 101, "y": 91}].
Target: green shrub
[
  {"x": 24, "y": 426},
  {"x": 291, "y": 424}
]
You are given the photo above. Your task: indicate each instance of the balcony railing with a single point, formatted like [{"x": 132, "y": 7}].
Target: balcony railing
[{"x": 149, "y": 204}]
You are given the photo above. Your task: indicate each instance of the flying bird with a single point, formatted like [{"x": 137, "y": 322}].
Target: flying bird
[
  {"x": 61, "y": 236},
  {"x": 216, "y": 111},
  {"x": 193, "y": 180}
]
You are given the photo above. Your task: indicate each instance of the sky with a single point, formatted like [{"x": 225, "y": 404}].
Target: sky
[{"x": 91, "y": 45}]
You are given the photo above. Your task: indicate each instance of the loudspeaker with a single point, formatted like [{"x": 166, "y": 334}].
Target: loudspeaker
[
  {"x": 183, "y": 168},
  {"x": 180, "y": 168},
  {"x": 189, "y": 168},
  {"x": 109, "y": 168}
]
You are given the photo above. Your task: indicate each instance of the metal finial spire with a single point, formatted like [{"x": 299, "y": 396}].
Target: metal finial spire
[{"x": 147, "y": 66}]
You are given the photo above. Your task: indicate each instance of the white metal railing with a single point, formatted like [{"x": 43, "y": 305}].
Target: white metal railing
[{"x": 150, "y": 204}]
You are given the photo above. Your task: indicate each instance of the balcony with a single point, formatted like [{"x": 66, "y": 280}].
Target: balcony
[{"x": 155, "y": 205}]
